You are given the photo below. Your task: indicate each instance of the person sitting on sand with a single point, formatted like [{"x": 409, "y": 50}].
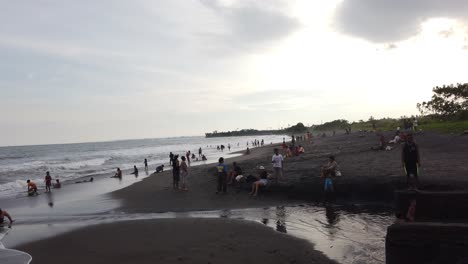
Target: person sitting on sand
[
  {"x": 160, "y": 168},
  {"x": 395, "y": 140},
  {"x": 330, "y": 168},
  {"x": 32, "y": 188},
  {"x": 222, "y": 171},
  {"x": 48, "y": 181},
  {"x": 4, "y": 214},
  {"x": 301, "y": 149},
  {"x": 263, "y": 181},
  {"x": 184, "y": 173},
  {"x": 118, "y": 174},
  {"x": 57, "y": 184},
  {"x": 236, "y": 170},
  {"x": 204, "y": 157}
]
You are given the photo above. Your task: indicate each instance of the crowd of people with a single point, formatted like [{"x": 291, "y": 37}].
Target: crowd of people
[{"x": 410, "y": 160}]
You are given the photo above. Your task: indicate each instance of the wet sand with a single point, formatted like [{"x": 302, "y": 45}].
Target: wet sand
[
  {"x": 155, "y": 193},
  {"x": 175, "y": 241}
]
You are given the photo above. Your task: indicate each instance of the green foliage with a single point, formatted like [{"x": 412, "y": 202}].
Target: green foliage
[
  {"x": 447, "y": 101},
  {"x": 384, "y": 124},
  {"x": 444, "y": 126},
  {"x": 333, "y": 125},
  {"x": 298, "y": 128}
]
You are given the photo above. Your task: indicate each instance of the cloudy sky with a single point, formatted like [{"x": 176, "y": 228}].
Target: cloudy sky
[{"x": 75, "y": 71}]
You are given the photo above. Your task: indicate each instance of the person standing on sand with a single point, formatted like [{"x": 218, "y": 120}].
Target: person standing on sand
[
  {"x": 410, "y": 161},
  {"x": 330, "y": 168},
  {"x": 146, "y": 165},
  {"x": 48, "y": 181},
  {"x": 277, "y": 161},
  {"x": 188, "y": 157},
  {"x": 222, "y": 171},
  {"x": 171, "y": 158},
  {"x": 199, "y": 152},
  {"x": 184, "y": 173},
  {"x": 329, "y": 189},
  {"x": 175, "y": 172}
]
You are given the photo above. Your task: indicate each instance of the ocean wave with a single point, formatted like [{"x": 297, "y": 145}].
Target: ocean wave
[{"x": 53, "y": 165}]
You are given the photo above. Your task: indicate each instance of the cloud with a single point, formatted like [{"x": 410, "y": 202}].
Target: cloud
[
  {"x": 390, "y": 21},
  {"x": 447, "y": 33},
  {"x": 390, "y": 46},
  {"x": 252, "y": 23}
]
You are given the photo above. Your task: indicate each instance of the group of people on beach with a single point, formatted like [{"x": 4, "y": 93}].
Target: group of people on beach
[
  {"x": 32, "y": 187},
  {"x": 180, "y": 171},
  {"x": 226, "y": 177}
]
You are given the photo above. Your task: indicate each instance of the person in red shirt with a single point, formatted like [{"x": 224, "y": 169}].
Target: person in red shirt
[{"x": 48, "y": 181}]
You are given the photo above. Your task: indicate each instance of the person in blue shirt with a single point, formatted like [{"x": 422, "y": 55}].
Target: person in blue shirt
[{"x": 222, "y": 171}]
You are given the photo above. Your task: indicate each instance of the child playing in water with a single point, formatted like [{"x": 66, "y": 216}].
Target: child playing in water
[{"x": 48, "y": 181}]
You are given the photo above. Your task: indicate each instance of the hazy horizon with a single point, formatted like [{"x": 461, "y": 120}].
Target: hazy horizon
[{"x": 114, "y": 70}]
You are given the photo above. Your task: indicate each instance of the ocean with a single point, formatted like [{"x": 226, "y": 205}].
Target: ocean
[{"x": 69, "y": 162}]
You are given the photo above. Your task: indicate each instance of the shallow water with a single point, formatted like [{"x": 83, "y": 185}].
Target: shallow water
[
  {"x": 68, "y": 162},
  {"x": 348, "y": 234}
]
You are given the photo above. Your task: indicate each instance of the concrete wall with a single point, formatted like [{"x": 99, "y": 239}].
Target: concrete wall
[{"x": 414, "y": 243}]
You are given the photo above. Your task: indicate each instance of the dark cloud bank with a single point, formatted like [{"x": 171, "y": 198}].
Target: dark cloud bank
[
  {"x": 394, "y": 20},
  {"x": 253, "y": 23}
]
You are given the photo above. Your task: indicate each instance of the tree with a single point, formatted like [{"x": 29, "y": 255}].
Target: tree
[
  {"x": 298, "y": 128},
  {"x": 335, "y": 124},
  {"x": 447, "y": 101},
  {"x": 373, "y": 122}
]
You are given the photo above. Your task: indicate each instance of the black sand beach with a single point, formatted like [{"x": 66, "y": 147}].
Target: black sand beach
[
  {"x": 367, "y": 175},
  {"x": 175, "y": 241}
]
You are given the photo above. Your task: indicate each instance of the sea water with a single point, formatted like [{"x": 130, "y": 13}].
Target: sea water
[{"x": 69, "y": 162}]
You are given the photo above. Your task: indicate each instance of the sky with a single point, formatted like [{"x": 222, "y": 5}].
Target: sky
[{"x": 81, "y": 71}]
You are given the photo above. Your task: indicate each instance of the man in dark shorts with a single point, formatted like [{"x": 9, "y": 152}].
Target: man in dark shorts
[
  {"x": 222, "y": 171},
  {"x": 171, "y": 158},
  {"x": 175, "y": 172},
  {"x": 410, "y": 160}
]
